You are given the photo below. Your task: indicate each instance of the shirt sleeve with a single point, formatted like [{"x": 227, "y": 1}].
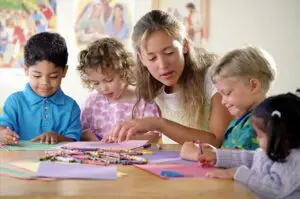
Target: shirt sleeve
[
  {"x": 74, "y": 130},
  {"x": 272, "y": 179},
  {"x": 227, "y": 158},
  {"x": 9, "y": 118},
  {"x": 86, "y": 114}
]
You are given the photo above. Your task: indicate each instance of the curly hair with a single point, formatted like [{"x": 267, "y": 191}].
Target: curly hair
[{"x": 106, "y": 53}]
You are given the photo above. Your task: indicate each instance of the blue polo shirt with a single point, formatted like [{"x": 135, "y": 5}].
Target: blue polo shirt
[{"x": 31, "y": 115}]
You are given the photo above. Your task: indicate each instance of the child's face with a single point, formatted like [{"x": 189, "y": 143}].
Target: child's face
[
  {"x": 108, "y": 83},
  {"x": 45, "y": 78},
  {"x": 261, "y": 136},
  {"x": 237, "y": 96},
  {"x": 163, "y": 57}
]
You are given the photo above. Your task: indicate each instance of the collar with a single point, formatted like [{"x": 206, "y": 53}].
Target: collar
[{"x": 33, "y": 98}]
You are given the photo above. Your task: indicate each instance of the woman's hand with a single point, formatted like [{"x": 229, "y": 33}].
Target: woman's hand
[{"x": 130, "y": 128}]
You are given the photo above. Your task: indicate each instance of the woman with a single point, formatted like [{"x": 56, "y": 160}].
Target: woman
[{"x": 174, "y": 73}]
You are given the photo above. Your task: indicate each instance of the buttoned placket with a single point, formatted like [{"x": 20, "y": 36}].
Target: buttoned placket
[{"x": 45, "y": 115}]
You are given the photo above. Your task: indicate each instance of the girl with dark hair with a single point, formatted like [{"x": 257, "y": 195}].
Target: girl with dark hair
[{"x": 273, "y": 170}]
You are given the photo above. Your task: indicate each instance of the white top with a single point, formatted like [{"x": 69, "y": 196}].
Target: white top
[{"x": 170, "y": 108}]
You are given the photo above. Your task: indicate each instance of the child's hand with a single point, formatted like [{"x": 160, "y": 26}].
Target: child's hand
[
  {"x": 8, "y": 136},
  {"x": 108, "y": 139},
  {"x": 208, "y": 158},
  {"x": 47, "y": 138},
  {"x": 189, "y": 151},
  {"x": 222, "y": 174}
]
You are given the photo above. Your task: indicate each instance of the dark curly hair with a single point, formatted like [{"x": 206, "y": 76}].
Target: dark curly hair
[
  {"x": 46, "y": 46},
  {"x": 106, "y": 53},
  {"x": 279, "y": 118}
]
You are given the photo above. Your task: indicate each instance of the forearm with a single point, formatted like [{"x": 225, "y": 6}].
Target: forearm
[
  {"x": 181, "y": 133},
  {"x": 151, "y": 137},
  {"x": 233, "y": 158},
  {"x": 62, "y": 138}
]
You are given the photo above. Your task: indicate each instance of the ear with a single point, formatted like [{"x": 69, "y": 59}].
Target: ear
[
  {"x": 65, "y": 70},
  {"x": 26, "y": 68},
  {"x": 186, "y": 46},
  {"x": 255, "y": 85}
]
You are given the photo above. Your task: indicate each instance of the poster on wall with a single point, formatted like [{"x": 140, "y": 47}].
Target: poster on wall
[
  {"x": 194, "y": 14},
  {"x": 19, "y": 20},
  {"x": 101, "y": 18}
]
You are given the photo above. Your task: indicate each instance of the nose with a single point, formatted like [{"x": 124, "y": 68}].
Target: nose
[
  {"x": 162, "y": 62},
  {"x": 103, "y": 88},
  {"x": 224, "y": 100},
  {"x": 45, "y": 80}
]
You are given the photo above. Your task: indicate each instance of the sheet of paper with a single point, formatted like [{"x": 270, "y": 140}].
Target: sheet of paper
[
  {"x": 168, "y": 157},
  {"x": 27, "y": 145},
  {"x": 27, "y": 165},
  {"x": 7, "y": 170},
  {"x": 188, "y": 170},
  {"x": 131, "y": 144},
  {"x": 76, "y": 171}
]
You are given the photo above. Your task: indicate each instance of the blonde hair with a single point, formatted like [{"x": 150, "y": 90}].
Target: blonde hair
[
  {"x": 245, "y": 63},
  {"x": 196, "y": 61},
  {"x": 106, "y": 53}
]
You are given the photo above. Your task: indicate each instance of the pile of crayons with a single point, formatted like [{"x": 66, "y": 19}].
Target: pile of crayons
[{"x": 99, "y": 157}]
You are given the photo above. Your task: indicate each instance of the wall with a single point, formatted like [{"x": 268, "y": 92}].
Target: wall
[{"x": 272, "y": 24}]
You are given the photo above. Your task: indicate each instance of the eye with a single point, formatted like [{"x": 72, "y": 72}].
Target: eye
[
  {"x": 151, "y": 58},
  {"x": 169, "y": 52},
  {"x": 54, "y": 76},
  {"x": 109, "y": 80},
  {"x": 36, "y": 76}
]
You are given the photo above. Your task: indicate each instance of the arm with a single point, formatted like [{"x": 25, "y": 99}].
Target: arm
[
  {"x": 276, "y": 180},
  {"x": 219, "y": 120},
  {"x": 233, "y": 158},
  {"x": 74, "y": 131}
]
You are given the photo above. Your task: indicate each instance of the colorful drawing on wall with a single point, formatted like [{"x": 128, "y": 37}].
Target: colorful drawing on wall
[
  {"x": 20, "y": 19},
  {"x": 193, "y": 13},
  {"x": 101, "y": 18}
]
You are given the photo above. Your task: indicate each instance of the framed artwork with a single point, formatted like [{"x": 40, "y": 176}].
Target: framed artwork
[
  {"x": 194, "y": 14},
  {"x": 100, "y": 18},
  {"x": 19, "y": 20}
]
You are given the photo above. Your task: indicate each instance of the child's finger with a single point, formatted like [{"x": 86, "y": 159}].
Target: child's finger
[
  {"x": 38, "y": 138},
  {"x": 53, "y": 140},
  {"x": 47, "y": 139}
]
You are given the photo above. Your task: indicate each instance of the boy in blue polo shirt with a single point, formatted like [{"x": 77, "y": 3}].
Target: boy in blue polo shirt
[{"x": 42, "y": 112}]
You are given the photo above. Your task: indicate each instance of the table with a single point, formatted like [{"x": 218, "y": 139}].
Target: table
[{"x": 137, "y": 184}]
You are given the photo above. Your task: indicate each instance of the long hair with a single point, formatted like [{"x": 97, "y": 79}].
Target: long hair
[
  {"x": 279, "y": 118},
  {"x": 196, "y": 62}
]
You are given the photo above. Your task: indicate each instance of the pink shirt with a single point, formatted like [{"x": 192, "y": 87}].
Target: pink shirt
[{"x": 100, "y": 116}]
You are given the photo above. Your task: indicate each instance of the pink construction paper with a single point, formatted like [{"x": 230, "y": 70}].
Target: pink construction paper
[
  {"x": 131, "y": 144},
  {"x": 76, "y": 171},
  {"x": 188, "y": 170}
]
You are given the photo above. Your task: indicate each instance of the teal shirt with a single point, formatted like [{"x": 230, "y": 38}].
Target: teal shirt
[
  {"x": 30, "y": 115},
  {"x": 240, "y": 134}
]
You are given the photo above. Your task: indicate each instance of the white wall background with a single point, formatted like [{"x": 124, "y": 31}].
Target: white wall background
[{"x": 271, "y": 24}]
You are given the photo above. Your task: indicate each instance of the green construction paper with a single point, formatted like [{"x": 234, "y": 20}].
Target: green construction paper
[{"x": 27, "y": 145}]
